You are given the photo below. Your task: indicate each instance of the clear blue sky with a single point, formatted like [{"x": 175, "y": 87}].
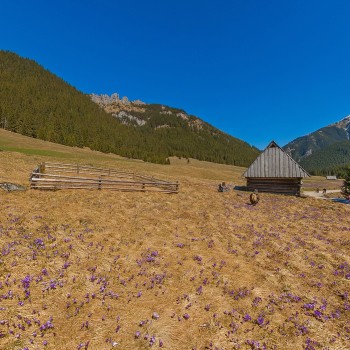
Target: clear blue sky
[{"x": 256, "y": 69}]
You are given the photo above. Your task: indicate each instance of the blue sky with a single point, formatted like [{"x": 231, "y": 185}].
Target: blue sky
[{"x": 258, "y": 70}]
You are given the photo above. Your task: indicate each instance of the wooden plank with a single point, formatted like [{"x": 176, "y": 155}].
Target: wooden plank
[
  {"x": 99, "y": 178},
  {"x": 282, "y": 186},
  {"x": 115, "y": 187},
  {"x": 102, "y": 186},
  {"x": 93, "y": 183},
  {"x": 271, "y": 165},
  {"x": 43, "y": 176},
  {"x": 111, "y": 189},
  {"x": 99, "y": 184},
  {"x": 82, "y": 168},
  {"x": 90, "y": 173}
]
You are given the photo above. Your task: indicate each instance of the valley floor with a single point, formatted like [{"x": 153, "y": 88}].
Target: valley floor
[{"x": 195, "y": 270}]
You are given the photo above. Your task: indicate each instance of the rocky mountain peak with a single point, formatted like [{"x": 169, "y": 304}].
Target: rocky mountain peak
[
  {"x": 344, "y": 124},
  {"x": 136, "y": 112},
  {"x": 105, "y": 100}
]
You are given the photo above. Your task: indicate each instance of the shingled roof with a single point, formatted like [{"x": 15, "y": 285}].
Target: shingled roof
[{"x": 274, "y": 162}]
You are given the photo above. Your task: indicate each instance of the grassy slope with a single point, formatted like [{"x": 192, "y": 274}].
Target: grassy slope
[{"x": 284, "y": 262}]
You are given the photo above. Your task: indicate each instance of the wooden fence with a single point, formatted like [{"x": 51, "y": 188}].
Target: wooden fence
[{"x": 54, "y": 176}]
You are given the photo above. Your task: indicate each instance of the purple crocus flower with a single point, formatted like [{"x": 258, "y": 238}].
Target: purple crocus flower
[
  {"x": 318, "y": 314},
  {"x": 309, "y": 306},
  {"x": 39, "y": 242},
  {"x": 152, "y": 340},
  {"x": 197, "y": 258},
  {"x": 137, "y": 334},
  {"x": 260, "y": 320},
  {"x": 247, "y": 317},
  {"x": 155, "y": 316},
  {"x": 199, "y": 290},
  {"x": 26, "y": 282}
]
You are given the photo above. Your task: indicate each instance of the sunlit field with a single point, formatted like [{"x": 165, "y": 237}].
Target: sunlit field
[{"x": 198, "y": 270}]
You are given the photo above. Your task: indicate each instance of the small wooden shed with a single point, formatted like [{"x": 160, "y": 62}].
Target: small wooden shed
[{"x": 275, "y": 171}]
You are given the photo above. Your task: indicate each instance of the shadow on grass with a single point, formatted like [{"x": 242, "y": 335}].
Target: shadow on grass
[{"x": 241, "y": 188}]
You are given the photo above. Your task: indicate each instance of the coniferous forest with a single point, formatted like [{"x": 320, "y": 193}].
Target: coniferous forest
[
  {"x": 332, "y": 160},
  {"x": 325, "y": 151},
  {"x": 36, "y": 103}
]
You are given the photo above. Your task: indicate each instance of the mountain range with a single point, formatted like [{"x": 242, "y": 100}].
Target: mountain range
[{"x": 324, "y": 151}]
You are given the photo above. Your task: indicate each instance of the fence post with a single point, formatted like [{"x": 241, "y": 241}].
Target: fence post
[{"x": 42, "y": 167}]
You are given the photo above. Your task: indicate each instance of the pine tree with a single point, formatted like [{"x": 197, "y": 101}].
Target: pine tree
[{"x": 346, "y": 184}]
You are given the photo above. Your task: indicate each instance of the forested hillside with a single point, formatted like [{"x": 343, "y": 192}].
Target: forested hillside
[
  {"x": 325, "y": 151},
  {"x": 36, "y": 103},
  {"x": 305, "y": 146},
  {"x": 332, "y": 160}
]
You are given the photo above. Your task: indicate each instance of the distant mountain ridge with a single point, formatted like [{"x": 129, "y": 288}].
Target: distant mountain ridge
[
  {"x": 36, "y": 103},
  {"x": 138, "y": 113},
  {"x": 324, "y": 150},
  {"x": 305, "y": 146},
  {"x": 165, "y": 120}
]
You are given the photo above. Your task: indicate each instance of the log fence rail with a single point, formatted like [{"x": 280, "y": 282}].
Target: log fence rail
[{"x": 54, "y": 176}]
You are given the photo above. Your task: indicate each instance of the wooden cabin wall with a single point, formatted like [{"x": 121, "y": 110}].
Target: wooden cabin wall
[{"x": 288, "y": 186}]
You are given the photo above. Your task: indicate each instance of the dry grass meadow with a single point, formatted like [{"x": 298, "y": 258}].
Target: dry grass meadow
[{"x": 196, "y": 270}]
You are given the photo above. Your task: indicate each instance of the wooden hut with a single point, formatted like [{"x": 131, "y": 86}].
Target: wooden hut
[{"x": 275, "y": 171}]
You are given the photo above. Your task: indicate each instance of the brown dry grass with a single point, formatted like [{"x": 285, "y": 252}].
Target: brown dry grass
[
  {"x": 321, "y": 182},
  {"x": 101, "y": 263}
]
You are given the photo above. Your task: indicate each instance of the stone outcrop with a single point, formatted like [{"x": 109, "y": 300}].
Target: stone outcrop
[
  {"x": 123, "y": 108},
  {"x": 105, "y": 100}
]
